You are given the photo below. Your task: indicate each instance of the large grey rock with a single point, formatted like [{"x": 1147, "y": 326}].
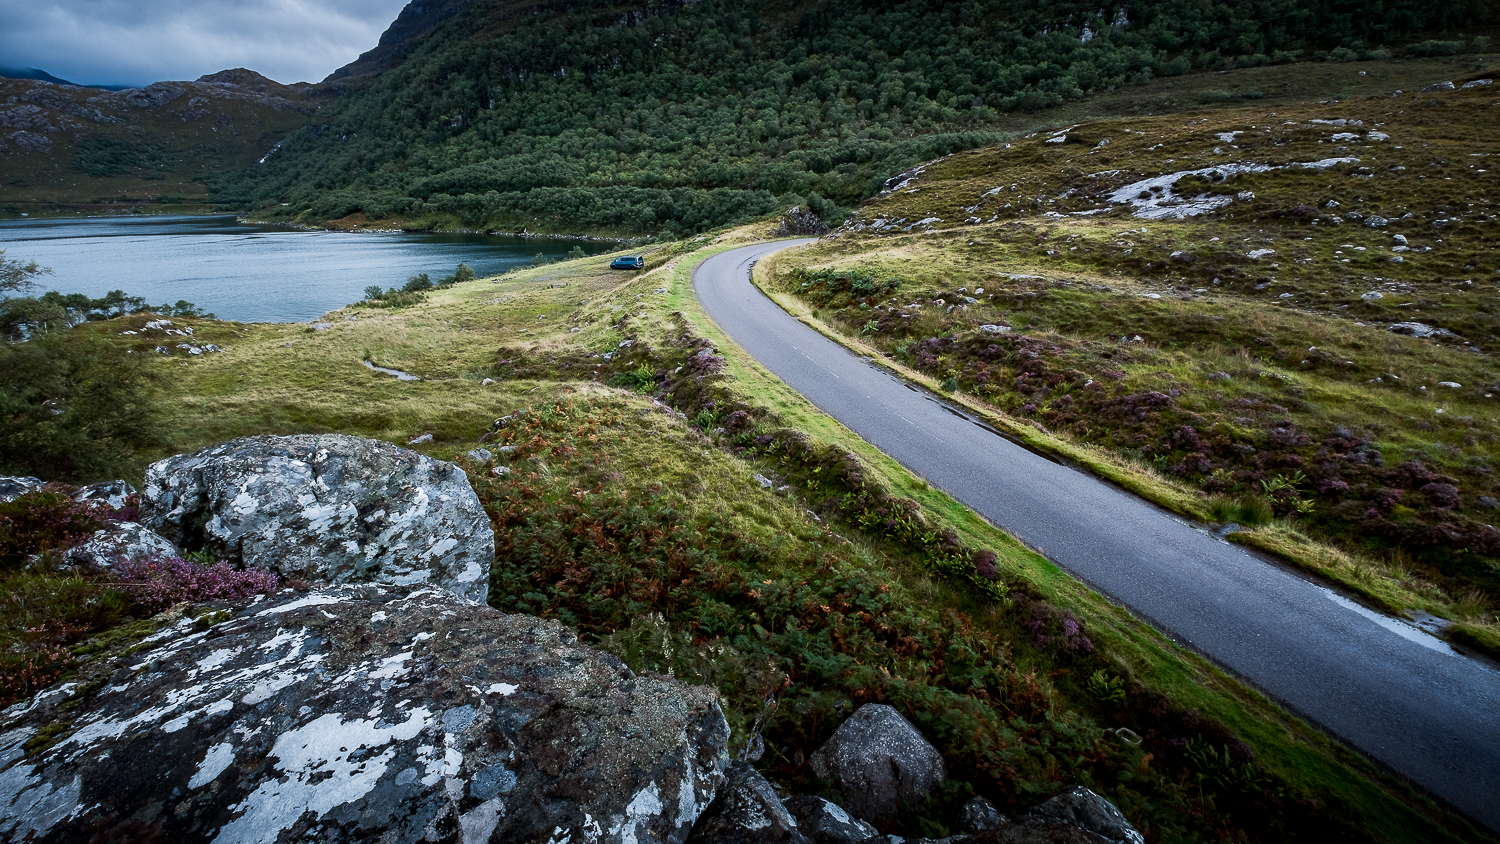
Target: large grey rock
[
  {"x": 326, "y": 507},
  {"x": 746, "y": 811},
  {"x": 880, "y": 762},
  {"x": 1084, "y": 809},
  {"x": 363, "y": 713},
  {"x": 118, "y": 539},
  {"x": 823, "y": 822},
  {"x": 113, "y": 493},
  {"x": 13, "y": 488}
]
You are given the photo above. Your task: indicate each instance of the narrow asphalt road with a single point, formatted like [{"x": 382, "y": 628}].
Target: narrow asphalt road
[{"x": 1402, "y": 697}]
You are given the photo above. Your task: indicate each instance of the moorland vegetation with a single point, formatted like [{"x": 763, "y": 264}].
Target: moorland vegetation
[
  {"x": 1308, "y": 349},
  {"x": 621, "y": 483}
]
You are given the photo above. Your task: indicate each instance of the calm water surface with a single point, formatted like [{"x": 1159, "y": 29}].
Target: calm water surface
[{"x": 250, "y": 273}]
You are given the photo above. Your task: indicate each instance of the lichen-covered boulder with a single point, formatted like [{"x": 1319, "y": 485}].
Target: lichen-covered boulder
[
  {"x": 326, "y": 507},
  {"x": 880, "y": 762},
  {"x": 746, "y": 811},
  {"x": 357, "y": 713},
  {"x": 118, "y": 539}
]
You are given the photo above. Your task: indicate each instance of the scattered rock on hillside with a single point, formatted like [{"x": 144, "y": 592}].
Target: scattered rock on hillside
[
  {"x": 339, "y": 715},
  {"x": 118, "y": 539},
  {"x": 1376, "y": 222},
  {"x": 1418, "y": 329},
  {"x": 1439, "y": 86},
  {"x": 1083, "y": 808},
  {"x": 880, "y": 762},
  {"x": 995, "y": 329},
  {"x": 1372, "y": 295},
  {"x": 326, "y": 507},
  {"x": 746, "y": 811},
  {"x": 13, "y": 488},
  {"x": 822, "y": 822}
]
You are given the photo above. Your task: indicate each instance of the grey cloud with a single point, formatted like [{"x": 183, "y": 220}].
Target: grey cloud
[{"x": 136, "y": 42}]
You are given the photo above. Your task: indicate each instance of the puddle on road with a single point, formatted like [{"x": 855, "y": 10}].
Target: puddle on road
[{"x": 1400, "y": 628}]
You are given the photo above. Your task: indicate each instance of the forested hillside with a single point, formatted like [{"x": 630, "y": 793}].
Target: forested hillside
[{"x": 678, "y": 117}]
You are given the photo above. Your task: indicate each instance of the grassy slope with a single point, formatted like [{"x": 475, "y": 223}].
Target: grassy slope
[
  {"x": 290, "y": 378},
  {"x": 1291, "y": 330}
]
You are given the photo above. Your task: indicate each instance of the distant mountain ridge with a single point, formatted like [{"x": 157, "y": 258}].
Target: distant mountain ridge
[{"x": 43, "y": 76}]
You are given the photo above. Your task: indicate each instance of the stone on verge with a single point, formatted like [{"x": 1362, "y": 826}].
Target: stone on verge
[
  {"x": 112, "y": 493},
  {"x": 325, "y": 507},
  {"x": 1083, "y": 808},
  {"x": 337, "y": 715},
  {"x": 745, "y": 811},
  {"x": 118, "y": 539},
  {"x": 880, "y": 762},
  {"x": 823, "y": 822},
  {"x": 13, "y": 488},
  {"x": 995, "y": 329}
]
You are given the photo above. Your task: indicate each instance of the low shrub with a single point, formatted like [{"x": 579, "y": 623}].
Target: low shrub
[
  {"x": 42, "y": 521},
  {"x": 156, "y": 583}
]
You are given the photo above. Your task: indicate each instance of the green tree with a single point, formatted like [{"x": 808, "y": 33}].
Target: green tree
[
  {"x": 73, "y": 406},
  {"x": 16, "y": 276}
]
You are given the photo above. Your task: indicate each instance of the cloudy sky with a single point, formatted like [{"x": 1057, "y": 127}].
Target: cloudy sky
[{"x": 136, "y": 42}]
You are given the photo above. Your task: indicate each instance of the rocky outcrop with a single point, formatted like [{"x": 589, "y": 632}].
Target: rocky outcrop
[
  {"x": 799, "y": 222},
  {"x": 113, "y": 494},
  {"x": 746, "y": 811},
  {"x": 118, "y": 539},
  {"x": 1084, "y": 809},
  {"x": 361, "y": 713},
  {"x": 822, "y": 822},
  {"x": 979, "y": 815},
  {"x": 879, "y": 762},
  {"x": 326, "y": 507},
  {"x": 13, "y": 488}
]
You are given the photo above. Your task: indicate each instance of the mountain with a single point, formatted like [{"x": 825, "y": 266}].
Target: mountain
[
  {"x": 44, "y": 76},
  {"x": 70, "y": 148},
  {"x": 675, "y": 116},
  {"x": 416, "y": 21}
]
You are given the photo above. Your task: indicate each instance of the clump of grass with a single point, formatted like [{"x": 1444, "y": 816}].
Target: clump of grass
[{"x": 41, "y": 614}]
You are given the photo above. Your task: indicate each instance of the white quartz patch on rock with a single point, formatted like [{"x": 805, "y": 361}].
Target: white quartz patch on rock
[{"x": 1156, "y": 199}]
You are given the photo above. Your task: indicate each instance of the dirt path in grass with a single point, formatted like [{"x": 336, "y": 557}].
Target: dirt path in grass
[{"x": 1398, "y": 695}]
